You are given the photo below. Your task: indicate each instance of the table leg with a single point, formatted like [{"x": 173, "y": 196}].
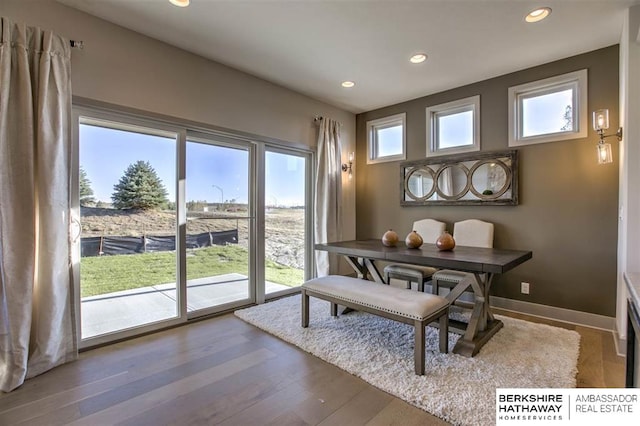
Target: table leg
[
  {"x": 482, "y": 324},
  {"x": 364, "y": 267},
  {"x": 480, "y": 302},
  {"x": 373, "y": 271},
  {"x": 357, "y": 265},
  {"x": 457, "y": 291},
  {"x": 487, "y": 287}
]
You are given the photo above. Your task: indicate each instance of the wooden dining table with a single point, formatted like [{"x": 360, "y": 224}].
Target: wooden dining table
[{"x": 483, "y": 264}]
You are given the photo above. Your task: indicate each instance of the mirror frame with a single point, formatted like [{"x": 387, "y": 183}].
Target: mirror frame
[{"x": 435, "y": 166}]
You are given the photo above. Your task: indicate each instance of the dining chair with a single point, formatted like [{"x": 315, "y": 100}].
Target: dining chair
[
  {"x": 470, "y": 233},
  {"x": 429, "y": 230}
]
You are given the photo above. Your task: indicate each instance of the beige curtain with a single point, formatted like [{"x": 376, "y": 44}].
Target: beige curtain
[
  {"x": 37, "y": 326},
  {"x": 328, "y": 205}
]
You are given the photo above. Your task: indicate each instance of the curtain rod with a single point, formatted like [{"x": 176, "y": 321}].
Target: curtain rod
[
  {"x": 76, "y": 44},
  {"x": 318, "y": 118}
]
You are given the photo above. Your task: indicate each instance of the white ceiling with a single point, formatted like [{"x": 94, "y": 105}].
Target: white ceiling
[{"x": 311, "y": 46}]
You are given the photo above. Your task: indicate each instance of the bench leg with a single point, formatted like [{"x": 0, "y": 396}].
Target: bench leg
[
  {"x": 305, "y": 309},
  {"x": 421, "y": 286},
  {"x": 334, "y": 309},
  {"x": 443, "y": 331},
  {"x": 419, "y": 347}
]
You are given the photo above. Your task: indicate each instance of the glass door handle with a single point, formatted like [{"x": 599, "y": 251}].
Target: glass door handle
[{"x": 76, "y": 222}]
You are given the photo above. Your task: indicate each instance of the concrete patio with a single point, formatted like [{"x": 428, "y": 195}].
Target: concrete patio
[{"x": 130, "y": 308}]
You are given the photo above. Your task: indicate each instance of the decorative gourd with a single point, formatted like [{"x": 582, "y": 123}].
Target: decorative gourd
[
  {"x": 390, "y": 238},
  {"x": 445, "y": 242},
  {"x": 413, "y": 240}
]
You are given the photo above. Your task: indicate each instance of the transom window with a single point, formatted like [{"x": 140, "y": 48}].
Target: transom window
[
  {"x": 453, "y": 127},
  {"x": 386, "y": 139},
  {"x": 548, "y": 110}
]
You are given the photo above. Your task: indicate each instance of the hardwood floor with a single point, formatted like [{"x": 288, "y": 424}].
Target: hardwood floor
[{"x": 224, "y": 371}]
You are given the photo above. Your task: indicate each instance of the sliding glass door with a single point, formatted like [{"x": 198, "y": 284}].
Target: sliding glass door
[
  {"x": 286, "y": 220},
  {"x": 128, "y": 221},
  {"x": 219, "y": 213},
  {"x": 176, "y": 224}
]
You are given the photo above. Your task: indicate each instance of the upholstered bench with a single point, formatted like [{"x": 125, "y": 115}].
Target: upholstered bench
[{"x": 410, "y": 307}]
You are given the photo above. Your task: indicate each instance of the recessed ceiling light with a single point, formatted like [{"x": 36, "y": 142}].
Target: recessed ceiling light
[
  {"x": 418, "y": 58},
  {"x": 180, "y": 3},
  {"x": 348, "y": 84},
  {"x": 538, "y": 14}
]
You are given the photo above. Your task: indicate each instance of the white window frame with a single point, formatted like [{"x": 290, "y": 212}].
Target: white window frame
[
  {"x": 472, "y": 104},
  {"x": 372, "y": 140},
  {"x": 576, "y": 81}
]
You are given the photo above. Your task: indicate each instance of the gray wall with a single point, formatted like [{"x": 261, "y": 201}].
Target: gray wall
[{"x": 568, "y": 203}]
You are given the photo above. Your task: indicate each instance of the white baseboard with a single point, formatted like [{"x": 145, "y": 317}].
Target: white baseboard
[
  {"x": 587, "y": 319},
  {"x": 621, "y": 344}
]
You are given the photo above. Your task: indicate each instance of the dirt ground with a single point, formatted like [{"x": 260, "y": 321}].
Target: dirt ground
[{"x": 284, "y": 228}]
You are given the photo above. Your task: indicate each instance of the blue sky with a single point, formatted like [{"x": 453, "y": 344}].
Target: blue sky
[
  {"x": 455, "y": 129},
  {"x": 106, "y": 153},
  {"x": 545, "y": 114}
]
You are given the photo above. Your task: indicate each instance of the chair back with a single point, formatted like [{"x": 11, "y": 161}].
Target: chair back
[
  {"x": 473, "y": 233},
  {"x": 429, "y": 229}
]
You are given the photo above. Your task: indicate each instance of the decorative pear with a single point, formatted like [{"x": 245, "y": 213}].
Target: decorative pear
[
  {"x": 390, "y": 238},
  {"x": 445, "y": 242},
  {"x": 413, "y": 240}
]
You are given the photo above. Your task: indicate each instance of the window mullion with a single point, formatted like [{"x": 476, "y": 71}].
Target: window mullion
[{"x": 181, "y": 207}]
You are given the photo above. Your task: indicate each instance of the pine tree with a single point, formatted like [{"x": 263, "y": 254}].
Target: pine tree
[
  {"x": 139, "y": 188},
  {"x": 86, "y": 193},
  {"x": 568, "y": 119}
]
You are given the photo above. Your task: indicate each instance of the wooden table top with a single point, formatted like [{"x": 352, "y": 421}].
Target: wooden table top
[{"x": 469, "y": 259}]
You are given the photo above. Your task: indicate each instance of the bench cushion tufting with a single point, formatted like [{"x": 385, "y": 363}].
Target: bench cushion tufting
[{"x": 408, "y": 304}]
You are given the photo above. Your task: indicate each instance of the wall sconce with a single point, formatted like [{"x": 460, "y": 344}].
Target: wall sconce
[
  {"x": 348, "y": 167},
  {"x": 600, "y": 124}
]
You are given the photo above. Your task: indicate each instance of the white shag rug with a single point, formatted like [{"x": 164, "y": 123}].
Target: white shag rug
[{"x": 457, "y": 389}]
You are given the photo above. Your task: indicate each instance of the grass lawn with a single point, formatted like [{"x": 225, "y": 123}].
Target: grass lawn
[{"x": 108, "y": 274}]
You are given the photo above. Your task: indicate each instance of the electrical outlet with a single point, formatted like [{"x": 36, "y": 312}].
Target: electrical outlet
[{"x": 524, "y": 288}]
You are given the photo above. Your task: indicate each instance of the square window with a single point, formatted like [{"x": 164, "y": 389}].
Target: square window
[
  {"x": 548, "y": 110},
  {"x": 389, "y": 141},
  {"x": 550, "y": 113},
  {"x": 455, "y": 130},
  {"x": 386, "y": 139},
  {"x": 453, "y": 127}
]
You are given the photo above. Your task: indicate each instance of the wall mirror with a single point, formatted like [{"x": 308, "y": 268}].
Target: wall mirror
[{"x": 466, "y": 179}]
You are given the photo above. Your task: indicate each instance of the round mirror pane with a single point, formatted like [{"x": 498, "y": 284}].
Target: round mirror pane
[
  {"x": 419, "y": 184},
  {"x": 452, "y": 181},
  {"x": 485, "y": 178},
  {"x": 490, "y": 179}
]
